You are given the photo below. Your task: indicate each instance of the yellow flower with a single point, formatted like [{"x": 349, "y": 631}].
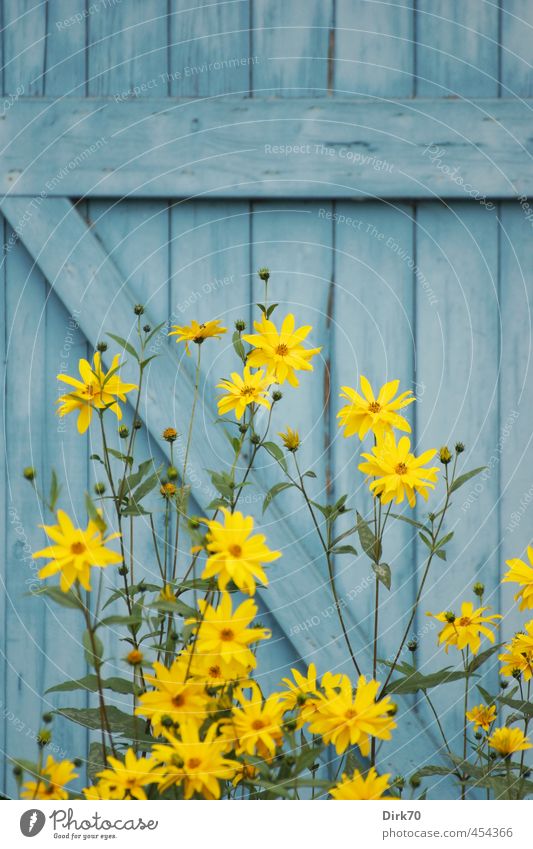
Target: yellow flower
[
  {"x": 167, "y": 594},
  {"x": 345, "y": 720},
  {"x": 518, "y": 655},
  {"x": 213, "y": 671},
  {"x": 197, "y": 333},
  {"x": 280, "y": 351},
  {"x": 134, "y": 657},
  {"x": 173, "y": 696},
  {"x": 96, "y": 793},
  {"x": 74, "y": 551},
  {"x": 251, "y": 388},
  {"x": 257, "y": 723},
  {"x": 398, "y": 473},
  {"x": 168, "y": 490},
  {"x": 197, "y": 764},
  {"x": 482, "y": 716},
  {"x": 51, "y": 781},
  {"x": 463, "y": 631},
  {"x": 234, "y": 554},
  {"x": 369, "y": 786},
  {"x": 96, "y": 390},
  {"x": 291, "y": 439},
  {"x": 522, "y": 574},
  {"x": 127, "y": 779},
  {"x": 507, "y": 741},
  {"x": 225, "y": 634},
  {"x": 367, "y": 412},
  {"x": 170, "y": 434},
  {"x": 302, "y": 688}
]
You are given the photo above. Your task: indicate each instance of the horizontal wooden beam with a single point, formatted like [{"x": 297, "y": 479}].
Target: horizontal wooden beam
[
  {"x": 88, "y": 283},
  {"x": 267, "y": 148}
]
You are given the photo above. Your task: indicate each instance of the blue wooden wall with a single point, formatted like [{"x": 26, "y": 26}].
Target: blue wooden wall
[{"x": 435, "y": 293}]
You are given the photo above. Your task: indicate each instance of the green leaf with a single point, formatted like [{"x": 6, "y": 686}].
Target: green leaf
[
  {"x": 96, "y": 457},
  {"x": 425, "y": 539},
  {"x": 89, "y": 683},
  {"x": 94, "y": 515},
  {"x": 119, "y": 722},
  {"x": 133, "y": 619},
  {"x": 343, "y": 549},
  {"x": 368, "y": 539},
  {"x": 94, "y": 649},
  {"x": 479, "y": 659},
  {"x": 135, "y": 478},
  {"x": 124, "y": 344},
  {"x": 466, "y": 477},
  {"x": 410, "y": 521},
  {"x": 443, "y": 540},
  {"x": 440, "y": 553},
  {"x": 154, "y": 331},
  {"x": 67, "y": 599},
  {"x": 120, "y": 456},
  {"x": 525, "y": 708},
  {"x": 487, "y": 698},
  {"x": 95, "y": 760},
  {"x": 309, "y": 474},
  {"x": 415, "y": 681},
  {"x": 146, "y": 486},
  {"x": 134, "y": 510},
  {"x": 276, "y": 452},
  {"x": 223, "y": 482},
  {"x": 55, "y": 491},
  {"x": 238, "y": 346},
  {"x": 273, "y": 492},
  {"x": 383, "y": 573}
]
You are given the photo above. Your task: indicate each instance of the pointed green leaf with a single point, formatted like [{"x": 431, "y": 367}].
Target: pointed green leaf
[{"x": 462, "y": 479}]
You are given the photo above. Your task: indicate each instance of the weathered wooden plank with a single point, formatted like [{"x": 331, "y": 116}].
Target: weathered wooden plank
[
  {"x": 251, "y": 148},
  {"x": 66, "y": 71},
  {"x": 24, "y": 38},
  {"x": 292, "y": 48},
  {"x": 516, "y": 63},
  {"x": 374, "y": 48},
  {"x": 83, "y": 277},
  {"x": 3, "y": 511},
  {"x": 516, "y": 401},
  {"x": 457, "y": 49},
  {"x": 457, "y": 363},
  {"x": 209, "y": 48}
]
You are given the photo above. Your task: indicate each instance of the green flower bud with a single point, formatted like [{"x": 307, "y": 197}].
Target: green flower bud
[
  {"x": 48, "y": 718},
  {"x": 240, "y": 325},
  {"x": 147, "y": 328},
  {"x": 478, "y": 589},
  {"x": 102, "y": 347},
  {"x": 445, "y": 455},
  {"x": 123, "y": 431},
  {"x": 414, "y": 781},
  {"x": 449, "y": 616},
  {"x": 99, "y": 488},
  {"x": 172, "y": 473},
  {"x": 264, "y": 274},
  {"x": 123, "y": 570},
  {"x": 277, "y": 395},
  {"x": 412, "y": 645},
  {"x": 138, "y": 309},
  {"x": 459, "y": 447},
  {"x": 29, "y": 473}
]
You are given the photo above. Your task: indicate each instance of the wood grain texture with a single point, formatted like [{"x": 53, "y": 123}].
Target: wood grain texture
[
  {"x": 251, "y": 148},
  {"x": 516, "y": 61}
]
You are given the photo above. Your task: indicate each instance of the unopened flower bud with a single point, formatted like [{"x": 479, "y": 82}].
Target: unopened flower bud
[
  {"x": 414, "y": 781},
  {"x": 255, "y": 439},
  {"x": 392, "y": 710},
  {"x": 48, "y": 718},
  {"x": 137, "y": 424},
  {"x": 264, "y": 274},
  {"x": 123, "y": 431},
  {"x": 170, "y": 434},
  {"x": 459, "y": 447},
  {"x": 478, "y": 589},
  {"x": 43, "y": 737},
  {"x": 99, "y": 488},
  {"x": 17, "y": 771},
  {"x": 147, "y": 328},
  {"x": 166, "y": 721},
  {"x": 138, "y": 309},
  {"x": 399, "y": 782},
  {"x": 504, "y": 684},
  {"x": 194, "y": 523},
  {"x": 412, "y": 645},
  {"x": 29, "y": 473},
  {"x": 134, "y": 657},
  {"x": 445, "y": 455},
  {"x": 77, "y": 762},
  {"x": 277, "y": 395},
  {"x": 478, "y": 735},
  {"x": 449, "y": 616},
  {"x": 517, "y": 674},
  {"x": 102, "y": 347},
  {"x": 240, "y": 325},
  {"x": 123, "y": 570},
  {"x": 243, "y": 428},
  {"x": 172, "y": 473}
]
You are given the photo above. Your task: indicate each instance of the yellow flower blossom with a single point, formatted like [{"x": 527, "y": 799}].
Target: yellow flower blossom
[
  {"x": 251, "y": 388},
  {"x": 74, "y": 551},
  {"x": 482, "y": 716},
  {"x": 366, "y": 412},
  {"x": 96, "y": 390},
  {"x": 463, "y": 631},
  {"x": 51, "y": 782},
  {"x": 369, "y": 786},
  {"x": 507, "y": 741},
  {"x": 518, "y": 654},
  {"x": 344, "y": 719},
  {"x": 397, "y": 472},
  {"x": 225, "y": 634},
  {"x": 522, "y": 574},
  {"x": 291, "y": 439},
  {"x": 257, "y": 723},
  {"x": 174, "y": 696},
  {"x": 197, "y": 333},
  {"x": 235, "y": 554},
  {"x": 127, "y": 779},
  {"x": 199, "y": 765},
  {"x": 281, "y": 351}
]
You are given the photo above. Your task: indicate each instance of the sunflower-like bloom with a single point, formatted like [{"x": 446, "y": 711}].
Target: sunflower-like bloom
[
  {"x": 256, "y": 725},
  {"x": 251, "y": 388},
  {"x": 225, "y": 634},
  {"x": 235, "y": 554},
  {"x": 281, "y": 351},
  {"x": 521, "y": 573},
  {"x": 301, "y": 694},
  {"x": 291, "y": 439},
  {"x": 174, "y": 696},
  {"x": 74, "y": 551},
  {"x": 366, "y": 412},
  {"x": 51, "y": 782},
  {"x": 213, "y": 670},
  {"x": 197, "y": 333},
  {"x": 507, "y": 741},
  {"x": 397, "y": 472},
  {"x": 96, "y": 390},
  {"x": 518, "y": 654},
  {"x": 482, "y": 716},
  {"x": 127, "y": 779},
  {"x": 464, "y": 631},
  {"x": 369, "y": 786},
  {"x": 345, "y": 720},
  {"x": 198, "y": 765}
]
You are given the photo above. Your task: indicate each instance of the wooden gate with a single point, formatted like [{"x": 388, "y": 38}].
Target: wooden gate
[{"x": 377, "y": 157}]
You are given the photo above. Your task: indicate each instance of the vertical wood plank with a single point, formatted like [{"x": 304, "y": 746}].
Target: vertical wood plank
[
  {"x": 457, "y": 51},
  {"x": 209, "y": 50},
  {"x": 516, "y": 34},
  {"x": 292, "y": 48},
  {"x": 374, "y": 48},
  {"x": 457, "y": 362},
  {"x": 24, "y": 39},
  {"x": 65, "y": 72},
  {"x": 127, "y": 54},
  {"x": 3, "y": 504}
]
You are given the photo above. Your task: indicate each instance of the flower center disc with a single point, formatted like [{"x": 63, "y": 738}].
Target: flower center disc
[
  {"x": 257, "y": 724},
  {"x": 178, "y": 701},
  {"x": 247, "y": 391},
  {"x": 401, "y": 469},
  {"x": 374, "y": 407},
  {"x": 77, "y": 548},
  {"x": 235, "y": 550},
  {"x": 464, "y": 621},
  {"x": 226, "y": 634},
  {"x": 194, "y": 763},
  {"x": 350, "y": 713},
  {"x": 282, "y": 350}
]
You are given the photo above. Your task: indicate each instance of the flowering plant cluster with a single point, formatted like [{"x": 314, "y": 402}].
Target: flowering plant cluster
[{"x": 200, "y": 725}]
